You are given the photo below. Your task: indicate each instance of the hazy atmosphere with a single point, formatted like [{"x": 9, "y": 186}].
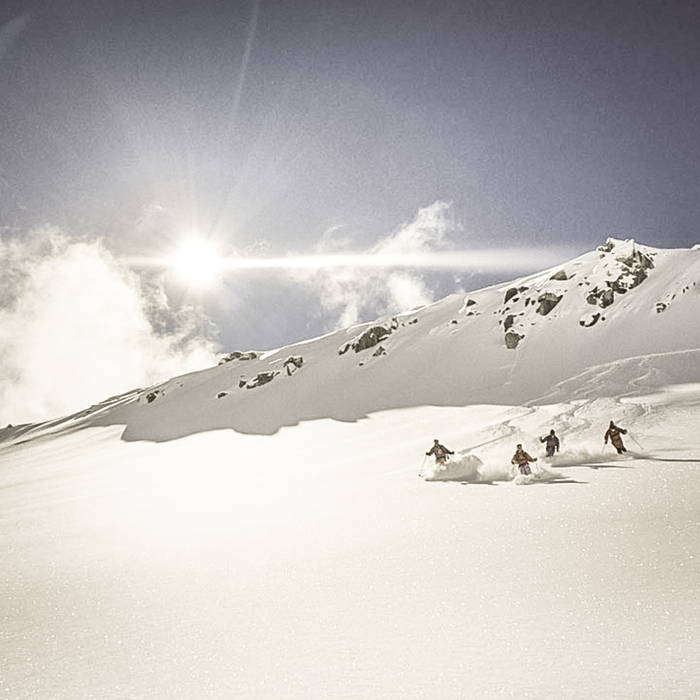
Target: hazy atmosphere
[{"x": 133, "y": 134}]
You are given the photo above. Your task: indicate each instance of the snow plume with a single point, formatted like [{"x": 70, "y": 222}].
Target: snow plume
[
  {"x": 76, "y": 326},
  {"x": 578, "y": 456},
  {"x": 352, "y": 295},
  {"x": 460, "y": 468}
]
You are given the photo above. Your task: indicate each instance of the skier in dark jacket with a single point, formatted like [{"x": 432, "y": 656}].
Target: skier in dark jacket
[
  {"x": 440, "y": 452},
  {"x": 521, "y": 458},
  {"x": 614, "y": 434},
  {"x": 552, "y": 443}
]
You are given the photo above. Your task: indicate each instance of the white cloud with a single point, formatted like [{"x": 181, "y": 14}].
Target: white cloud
[
  {"x": 77, "y": 327},
  {"x": 350, "y": 295},
  {"x": 428, "y": 231}
]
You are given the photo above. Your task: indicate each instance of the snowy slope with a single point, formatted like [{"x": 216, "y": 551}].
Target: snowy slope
[
  {"x": 639, "y": 300},
  {"x": 311, "y": 561}
]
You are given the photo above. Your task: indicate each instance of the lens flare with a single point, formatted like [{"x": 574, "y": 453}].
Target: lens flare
[{"x": 196, "y": 262}]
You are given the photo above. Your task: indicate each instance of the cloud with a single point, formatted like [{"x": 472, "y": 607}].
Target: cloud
[
  {"x": 349, "y": 295},
  {"x": 76, "y": 327},
  {"x": 428, "y": 231}
]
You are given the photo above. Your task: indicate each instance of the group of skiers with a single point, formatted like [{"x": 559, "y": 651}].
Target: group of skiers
[{"x": 522, "y": 459}]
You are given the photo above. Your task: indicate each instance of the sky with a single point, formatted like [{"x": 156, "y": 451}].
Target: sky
[{"x": 299, "y": 128}]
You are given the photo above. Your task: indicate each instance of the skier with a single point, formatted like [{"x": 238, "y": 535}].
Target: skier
[
  {"x": 521, "y": 458},
  {"x": 552, "y": 443},
  {"x": 614, "y": 434},
  {"x": 440, "y": 452}
]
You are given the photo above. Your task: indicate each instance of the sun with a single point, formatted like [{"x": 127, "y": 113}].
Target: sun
[{"x": 196, "y": 262}]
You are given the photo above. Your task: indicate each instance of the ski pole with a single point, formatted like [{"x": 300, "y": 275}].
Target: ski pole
[
  {"x": 420, "y": 473},
  {"x": 635, "y": 440}
]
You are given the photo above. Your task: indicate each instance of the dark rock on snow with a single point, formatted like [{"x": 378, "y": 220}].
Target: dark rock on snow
[
  {"x": 512, "y": 339},
  {"x": 292, "y": 364},
  {"x": 237, "y": 355},
  {"x": 260, "y": 379},
  {"x": 510, "y": 294},
  {"x": 547, "y": 301}
]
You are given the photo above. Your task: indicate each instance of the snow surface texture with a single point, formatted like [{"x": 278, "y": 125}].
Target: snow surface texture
[{"x": 314, "y": 562}]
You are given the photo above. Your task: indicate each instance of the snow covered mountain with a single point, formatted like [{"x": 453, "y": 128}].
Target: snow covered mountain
[
  {"x": 184, "y": 541},
  {"x": 511, "y": 344}
]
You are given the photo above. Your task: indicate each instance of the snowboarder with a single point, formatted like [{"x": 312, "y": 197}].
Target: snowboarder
[
  {"x": 521, "y": 458},
  {"x": 440, "y": 452},
  {"x": 552, "y": 443},
  {"x": 614, "y": 434}
]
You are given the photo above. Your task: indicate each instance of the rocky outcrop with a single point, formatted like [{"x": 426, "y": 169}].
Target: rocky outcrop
[
  {"x": 261, "y": 379},
  {"x": 547, "y": 302},
  {"x": 236, "y": 355},
  {"x": 588, "y": 320},
  {"x": 560, "y": 275},
  {"x": 600, "y": 297},
  {"x": 510, "y": 293},
  {"x": 368, "y": 338},
  {"x": 512, "y": 339},
  {"x": 292, "y": 364}
]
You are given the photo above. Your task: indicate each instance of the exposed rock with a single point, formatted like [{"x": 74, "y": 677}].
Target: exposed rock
[
  {"x": 510, "y": 294},
  {"x": 454, "y": 322},
  {"x": 547, "y": 301},
  {"x": 560, "y": 275},
  {"x": 221, "y": 394},
  {"x": 292, "y": 364},
  {"x": 415, "y": 320},
  {"x": 367, "y": 339},
  {"x": 512, "y": 339},
  {"x": 379, "y": 352},
  {"x": 152, "y": 396},
  {"x": 636, "y": 259},
  {"x": 242, "y": 382},
  {"x": 588, "y": 320},
  {"x": 236, "y": 355},
  {"x": 260, "y": 379},
  {"x": 606, "y": 298},
  {"x": 607, "y": 248},
  {"x": 601, "y": 297},
  {"x": 660, "y": 306},
  {"x": 508, "y": 322},
  {"x": 470, "y": 302}
]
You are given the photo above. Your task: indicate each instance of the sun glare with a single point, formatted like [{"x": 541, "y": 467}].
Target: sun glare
[{"x": 196, "y": 262}]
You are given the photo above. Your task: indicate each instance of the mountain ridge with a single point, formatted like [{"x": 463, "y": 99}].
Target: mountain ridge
[{"x": 489, "y": 346}]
